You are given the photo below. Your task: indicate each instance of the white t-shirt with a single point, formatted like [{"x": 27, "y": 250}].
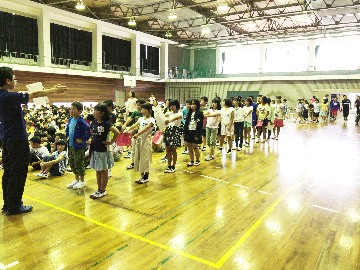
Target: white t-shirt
[
  {"x": 278, "y": 108},
  {"x": 226, "y": 115},
  {"x": 192, "y": 124},
  {"x": 171, "y": 115},
  {"x": 131, "y": 104},
  {"x": 213, "y": 122},
  {"x": 143, "y": 122},
  {"x": 263, "y": 109},
  {"x": 249, "y": 117},
  {"x": 238, "y": 114},
  {"x": 317, "y": 107},
  {"x": 40, "y": 152}
]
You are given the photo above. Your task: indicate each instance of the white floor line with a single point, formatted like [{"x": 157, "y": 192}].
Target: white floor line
[
  {"x": 324, "y": 208},
  {"x": 3, "y": 267}
]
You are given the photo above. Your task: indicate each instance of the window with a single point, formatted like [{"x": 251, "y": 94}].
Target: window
[{"x": 241, "y": 61}]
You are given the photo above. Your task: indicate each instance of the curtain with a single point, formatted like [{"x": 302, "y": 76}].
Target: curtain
[
  {"x": 116, "y": 51},
  {"x": 149, "y": 59},
  {"x": 18, "y": 34},
  {"x": 70, "y": 43}
]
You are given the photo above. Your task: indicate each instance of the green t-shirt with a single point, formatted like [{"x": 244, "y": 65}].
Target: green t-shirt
[{"x": 136, "y": 115}]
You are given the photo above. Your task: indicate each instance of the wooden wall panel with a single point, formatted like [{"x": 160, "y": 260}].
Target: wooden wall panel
[{"x": 83, "y": 88}]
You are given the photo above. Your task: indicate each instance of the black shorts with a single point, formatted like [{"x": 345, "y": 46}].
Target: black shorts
[
  {"x": 190, "y": 137},
  {"x": 316, "y": 114},
  {"x": 203, "y": 132},
  {"x": 345, "y": 113}
]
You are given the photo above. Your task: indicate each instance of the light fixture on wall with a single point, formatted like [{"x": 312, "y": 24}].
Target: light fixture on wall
[
  {"x": 205, "y": 30},
  {"x": 80, "y": 5},
  {"x": 223, "y": 7},
  {"x": 168, "y": 34},
  {"x": 132, "y": 22}
]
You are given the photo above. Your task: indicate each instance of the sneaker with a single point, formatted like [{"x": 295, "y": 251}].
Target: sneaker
[
  {"x": 69, "y": 169},
  {"x": 164, "y": 158},
  {"x": 143, "y": 181},
  {"x": 239, "y": 149},
  {"x": 73, "y": 183},
  {"x": 173, "y": 169},
  {"x": 137, "y": 181},
  {"x": 38, "y": 174},
  {"x": 204, "y": 148},
  {"x": 257, "y": 140},
  {"x": 199, "y": 147},
  {"x": 197, "y": 163},
  {"x": 98, "y": 194},
  {"x": 131, "y": 166},
  {"x": 169, "y": 170},
  {"x": 109, "y": 173},
  {"x": 220, "y": 150},
  {"x": 79, "y": 185},
  {"x": 190, "y": 164},
  {"x": 1, "y": 166},
  {"x": 128, "y": 155},
  {"x": 22, "y": 209},
  {"x": 262, "y": 141},
  {"x": 44, "y": 176},
  {"x": 185, "y": 152},
  {"x": 217, "y": 144},
  {"x": 208, "y": 158},
  {"x": 253, "y": 138},
  {"x": 228, "y": 152}
]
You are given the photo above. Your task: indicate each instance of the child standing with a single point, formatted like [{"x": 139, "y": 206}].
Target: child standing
[
  {"x": 192, "y": 130},
  {"x": 78, "y": 132},
  {"x": 324, "y": 110},
  {"x": 278, "y": 118},
  {"x": 142, "y": 143},
  {"x": 185, "y": 112},
  {"x": 203, "y": 109},
  {"x": 101, "y": 157},
  {"x": 317, "y": 108},
  {"x": 334, "y": 107},
  {"x": 263, "y": 113},
  {"x": 172, "y": 134},
  {"x": 55, "y": 165},
  {"x": 227, "y": 124},
  {"x": 238, "y": 123},
  {"x": 212, "y": 124},
  {"x": 248, "y": 121}
]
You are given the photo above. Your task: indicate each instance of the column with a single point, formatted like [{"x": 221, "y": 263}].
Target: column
[
  {"x": 164, "y": 60},
  {"x": 192, "y": 57},
  {"x": 44, "y": 38},
  {"x": 135, "y": 55},
  {"x": 97, "y": 47},
  {"x": 311, "y": 59},
  {"x": 261, "y": 58},
  {"x": 219, "y": 60}
]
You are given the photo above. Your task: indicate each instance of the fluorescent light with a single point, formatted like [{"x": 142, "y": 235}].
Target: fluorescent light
[
  {"x": 132, "y": 22},
  {"x": 80, "y": 5}
]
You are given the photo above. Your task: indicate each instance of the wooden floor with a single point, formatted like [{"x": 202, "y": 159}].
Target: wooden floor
[{"x": 287, "y": 204}]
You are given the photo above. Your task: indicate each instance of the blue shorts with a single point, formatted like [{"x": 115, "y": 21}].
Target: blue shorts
[{"x": 254, "y": 121}]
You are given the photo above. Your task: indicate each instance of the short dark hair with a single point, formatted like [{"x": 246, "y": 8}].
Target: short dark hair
[
  {"x": 102, "y": 107},
  {"x": 218, "y": 103},
  {"x": 132, "y": 93},
  {"x": 6, "y": 73},
  {"x": 228, "y": 102},
  {"x": 204, "y": 98},
  {"x": 249, "y": 99},
  {"x": 188, "y": 101},
  {"x": 278, "y": 97},
  {"x": 147, "y": 106},
  {"x": 109, "y": 103},
  {"x": 60, "y": 135},
  {"x": 176, "y": 103},
  {"x": 141, "y": 101},
  {"x": 78, "y": 105},
  {"x": 35, "y": 139}
]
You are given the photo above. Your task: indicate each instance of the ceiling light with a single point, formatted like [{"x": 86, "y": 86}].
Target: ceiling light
[
  {"x": 132, "y": 22},
  {"x": 205, "y": 30},
  {"x": 172, "y": 15},
  {"x": 168, "y": 34},
  {"x": 223, "y": 7},
  {"x": 80, "y": 5}
]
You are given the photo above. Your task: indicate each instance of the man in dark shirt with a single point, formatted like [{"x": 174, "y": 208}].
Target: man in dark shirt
[{"x": 14, "y": 138}]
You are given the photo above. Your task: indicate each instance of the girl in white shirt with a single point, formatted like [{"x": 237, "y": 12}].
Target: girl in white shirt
[
  {"x": 227, "y": 124},
  {"x": 238, "y": 123},
  {"x": 131, "y": 104},
  {"x": 142, "y": 145},
  {"x": 212, "y": 126},
  {"x": 172, "y": 134}
]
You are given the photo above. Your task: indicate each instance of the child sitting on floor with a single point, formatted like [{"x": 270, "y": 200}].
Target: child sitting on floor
[{"x": 56, "y": 163}]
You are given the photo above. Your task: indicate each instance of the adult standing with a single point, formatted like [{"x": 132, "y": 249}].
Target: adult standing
[
  {"x": 131, "y": 104},
  {"x": 14, "y": 138},
  {"x": 346, "y": 107},
  {"x": 357, "y": 105}
]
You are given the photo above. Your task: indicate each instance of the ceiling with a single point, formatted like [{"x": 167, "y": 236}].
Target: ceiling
[{"x": 239, "y": 21}]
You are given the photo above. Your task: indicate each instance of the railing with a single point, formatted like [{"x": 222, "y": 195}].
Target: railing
[
  {"x": 19, "y": 58},
  {"x": 115, "y": 68},
  {"x": 59, "y": 62}
]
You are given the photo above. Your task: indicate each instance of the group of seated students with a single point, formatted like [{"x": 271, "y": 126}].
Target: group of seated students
[{"x": 85, "y": 137}]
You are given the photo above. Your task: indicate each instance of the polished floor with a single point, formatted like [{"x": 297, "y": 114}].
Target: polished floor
[{"x": 287, "y": 204}]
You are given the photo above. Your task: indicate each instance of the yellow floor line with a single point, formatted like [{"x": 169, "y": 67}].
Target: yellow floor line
[
  {"x": 254, "y": 227},
  {"x": 125, "y": 232}
]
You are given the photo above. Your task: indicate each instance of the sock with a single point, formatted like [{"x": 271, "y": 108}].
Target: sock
[
  {"x": 132, "y": 164},
  {"x": 185, "y": 148},
  {"x": 198, "y": 161}
]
